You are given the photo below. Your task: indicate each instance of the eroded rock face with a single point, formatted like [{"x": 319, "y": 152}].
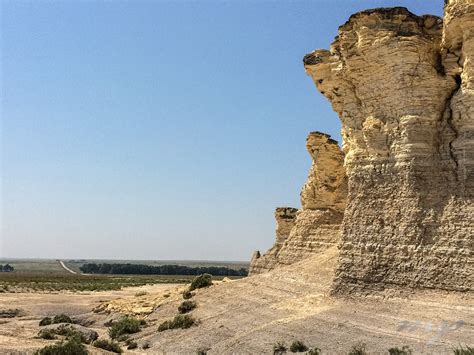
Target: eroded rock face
[
  {"x": 403, "y": 89},
  {"x": 326, "y": 187},
  {"x": 316, "y": 226},
  {"x": 285, "y": 220}
]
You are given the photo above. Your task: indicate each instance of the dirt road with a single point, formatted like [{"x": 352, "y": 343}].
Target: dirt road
[{"x": 66, "y": 268}]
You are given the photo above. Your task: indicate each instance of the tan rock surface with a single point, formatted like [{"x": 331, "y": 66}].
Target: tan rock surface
[
  {"x": 326, "y": 187},
  {"x": 248, "y": 316},
  {"x": 405, "y": 102},
  {"x": 316, "y": 226}
]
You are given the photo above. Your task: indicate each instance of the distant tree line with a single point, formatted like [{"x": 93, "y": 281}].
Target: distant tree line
[
  {"x": 141, "y": 269},
  {"x": 6, "y": 268}
]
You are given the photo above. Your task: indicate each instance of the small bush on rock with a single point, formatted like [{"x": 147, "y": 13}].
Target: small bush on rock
[
  {"x": 186, "y": 306},
  {"x": 108, "y": 345},
  {"x": 182, "y": 321},
  {"x": 62, "y": 318},
  {"x": 204, "y": 280},
  {"x": 298, "y": 347}
]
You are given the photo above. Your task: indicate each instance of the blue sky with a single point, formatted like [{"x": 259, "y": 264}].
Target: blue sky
[{"x": 159, "y": 129}]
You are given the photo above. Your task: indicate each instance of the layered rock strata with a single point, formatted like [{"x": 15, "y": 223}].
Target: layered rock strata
[
  {"x": 316, "y": 226},
  {"x": 403, "y": 86},
  {"x": 285, "y": 220}
]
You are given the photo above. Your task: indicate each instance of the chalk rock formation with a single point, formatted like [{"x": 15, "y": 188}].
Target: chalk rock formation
[
  {"x": 316, "y": 226},
  {"x": 403, "y": 86},
  {"x": 326, "y": 187},
  {"x": 285, "y": 220}
]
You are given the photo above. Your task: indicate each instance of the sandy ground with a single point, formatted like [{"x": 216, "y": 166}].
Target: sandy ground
[
  {"x": 250, "y": 315},
  {"x": 18, "y": 335}
]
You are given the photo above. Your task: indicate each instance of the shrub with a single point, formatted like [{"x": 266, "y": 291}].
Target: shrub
[
  {"x": 279, "y": 348},
  {"x": 314, "y": 351},
  {"x": 107, "y": 345},
  {"x": 146, "y": 346},
  {"x": 127, "y": 325},
  {"x": 202, "y": 351},
  {"x": 45, "y": 321},
  {"x": 182, "y": 321},
  {"x": 204, "y": 280},
  {"x": 72, "y": 334},
  {"x": 463, "y": 351},
  {"x": 61, "y": 318},
  {"x": 358, "y": 349},
  {"x": 187, "y": 294},
  {"x": 298, "y": 347},
  {"x": 405, "y": 350},
  {"x": 141, "y": 293},
  {"x": 47, "y": 334},
  {"x": 70, "y": 347},
  {"x": 186, "y": 306}
]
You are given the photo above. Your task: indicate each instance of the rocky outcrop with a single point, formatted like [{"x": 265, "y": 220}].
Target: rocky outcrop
[
  {"x": 403, "y": 88},
  {"x": 316, "y": 226},
  {"x": 285, "y": 220},
  {"x": 326, "y": 187}
]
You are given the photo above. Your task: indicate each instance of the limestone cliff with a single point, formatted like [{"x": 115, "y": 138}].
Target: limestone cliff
[
  {"x": 285, "y": 220},
  {"x": 403, "y": 86},
  {"x": 314, "y": 227}
]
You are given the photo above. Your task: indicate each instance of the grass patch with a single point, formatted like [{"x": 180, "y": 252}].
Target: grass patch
[
  {"x": 298, "y": 347},
  {"x": 69, "y": 347},
  {"x": 108, "y": 345},
  {"x": 204, "y": 280},
  {"x": 186, "y": 306},
  {"x": 405, "y": 350},
  {"x": 44, "y": 282},
  {"x": 141, "y": 293},
  {"x": 464, "y": 350},
  {"x": 127, "y": 325},
  {"x": 181, "y": 321}
]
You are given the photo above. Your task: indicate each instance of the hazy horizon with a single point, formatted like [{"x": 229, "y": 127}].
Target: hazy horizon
[{"x": 159, "y": 130}]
